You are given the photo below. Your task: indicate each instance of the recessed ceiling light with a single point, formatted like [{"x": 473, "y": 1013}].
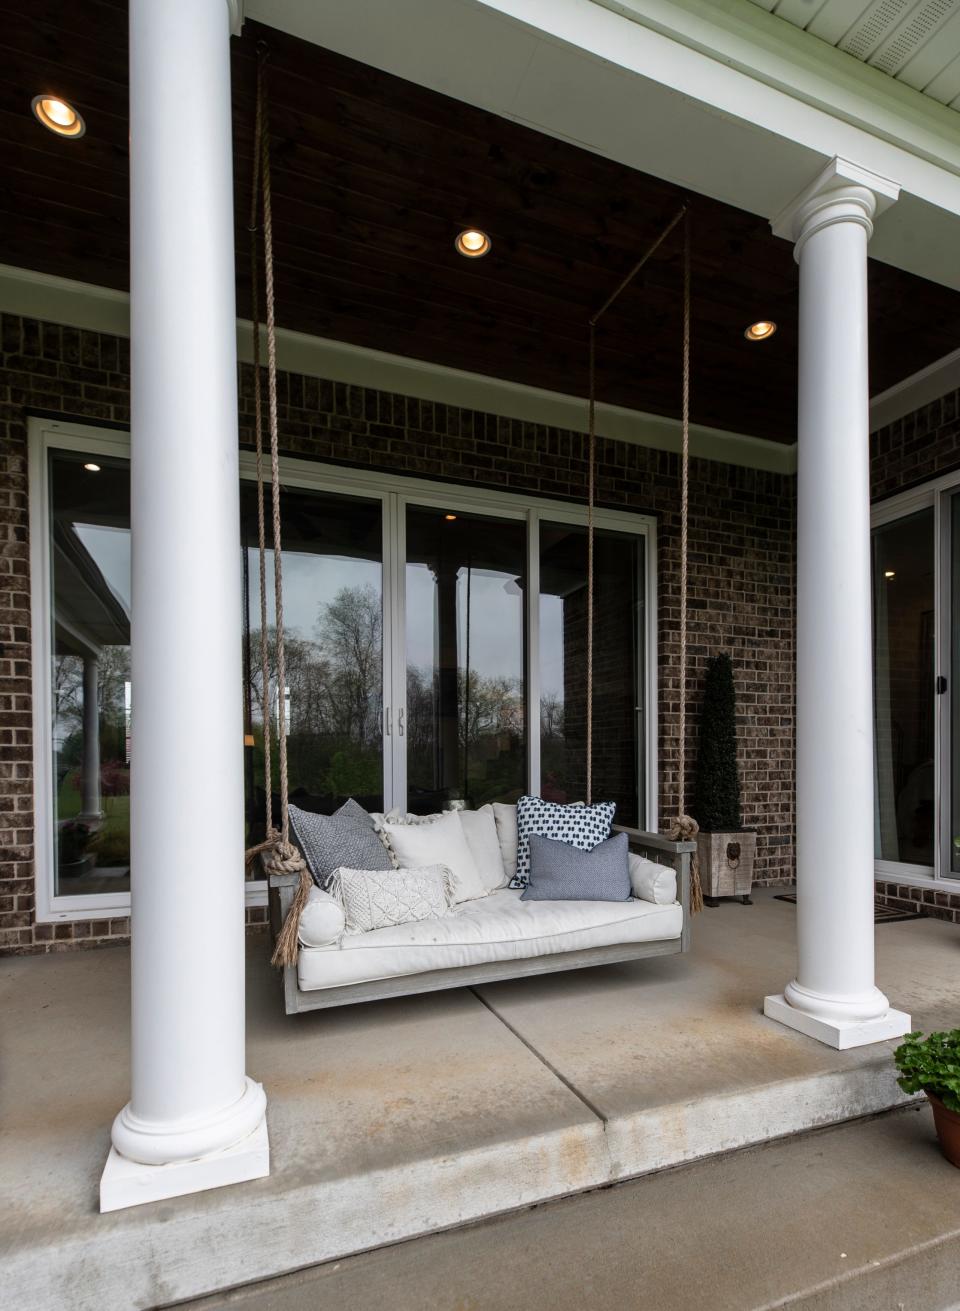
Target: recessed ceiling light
[
  {"x": 91, "y": 467},
  {"x": 473, "y": 243},
  {"x": 449, "y": 517},
  {"x": 889, "y": 573},
  {"x": 58, "y": 115},
  {"x": 760, "y": 331}
]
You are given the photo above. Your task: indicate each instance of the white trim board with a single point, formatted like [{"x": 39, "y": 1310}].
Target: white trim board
[
  {"x": 102, "y": 309},
  {"x": 910, "y": 394}
]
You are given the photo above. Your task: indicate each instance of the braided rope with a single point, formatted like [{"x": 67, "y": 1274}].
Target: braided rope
[
  {"x": 591, "y": 498},
  {"x": 685, "y": 828},
  {"x": 278, "y": 854},
  {"x": 258, "y": 430}
]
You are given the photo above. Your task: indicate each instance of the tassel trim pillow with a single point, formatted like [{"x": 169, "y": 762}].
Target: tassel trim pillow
[{"x": 381, "y": 899}]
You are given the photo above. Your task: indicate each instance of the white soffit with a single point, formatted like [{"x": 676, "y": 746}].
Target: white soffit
[
  {"x": 101, "y": 309},
  {"x": 717, "y": 96},
  {"x": 915, "y": 41}
]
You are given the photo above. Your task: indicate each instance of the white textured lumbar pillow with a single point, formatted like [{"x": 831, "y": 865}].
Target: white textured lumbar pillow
[
  {"x": 506, "y": 817},
  {"x": 379, "y": 899},
  {"x": 442, "y": 842},
  {"x": 480, "y": 829}
]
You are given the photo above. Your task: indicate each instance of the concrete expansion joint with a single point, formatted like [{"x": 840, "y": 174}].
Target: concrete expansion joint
[{"x": 571, "y": 1087}]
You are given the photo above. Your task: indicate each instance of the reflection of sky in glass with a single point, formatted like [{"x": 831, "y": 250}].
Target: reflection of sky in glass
[
  {"x": 496, "y": 621},
  {"x": 310, "y": 583},
  {"x": 110, "y": 551},
  {"x": 551, "y": 646}
]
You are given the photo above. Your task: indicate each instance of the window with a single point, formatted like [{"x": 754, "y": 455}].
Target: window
[{"x": 435, "y": 650}]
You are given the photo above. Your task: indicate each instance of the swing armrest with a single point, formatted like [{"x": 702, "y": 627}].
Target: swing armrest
[
  {"x": 284, "y": 880},
  {"x": 676, "y": 855}
]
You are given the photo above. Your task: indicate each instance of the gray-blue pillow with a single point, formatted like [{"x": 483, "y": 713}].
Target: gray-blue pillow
[
  {"x": 560, "y": 872},
  {"x": 329, "y": 841}
]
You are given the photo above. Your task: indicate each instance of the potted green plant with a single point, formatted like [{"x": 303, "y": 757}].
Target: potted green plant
[
  {"x": 932, "y": 1065},
  {"x": 725, "y": 850}
]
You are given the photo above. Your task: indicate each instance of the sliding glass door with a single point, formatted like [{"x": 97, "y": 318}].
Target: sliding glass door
[
  {"x": 916, "y": 646},
  {"x": 435, "y": 651},
  {"x": 466, "y": 709},
  {"x": 904, "y": 653}
]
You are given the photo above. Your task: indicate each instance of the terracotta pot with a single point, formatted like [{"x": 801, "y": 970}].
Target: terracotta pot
[{"x": 948, "y": 1129}]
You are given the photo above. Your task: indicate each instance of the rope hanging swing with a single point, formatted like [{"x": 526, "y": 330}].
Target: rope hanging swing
[
  {"x": 683, "y": 827},
  {"x": 279, "y": 854}
]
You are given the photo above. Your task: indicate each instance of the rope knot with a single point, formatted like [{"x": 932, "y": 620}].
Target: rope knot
[{"x": 684, "y": 828}]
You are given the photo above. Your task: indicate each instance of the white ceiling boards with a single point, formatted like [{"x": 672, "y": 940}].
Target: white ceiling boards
[{"x": 915, "y": 41}]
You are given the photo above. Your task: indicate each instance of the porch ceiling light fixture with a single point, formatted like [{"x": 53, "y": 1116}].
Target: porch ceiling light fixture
[
  {"x": 58, "y": 116},
  {"x": 761, "y": 330},
  {"x": 472, "y": 243},
  {"x": 449, "y": 517},
  {"x": 889, "y": 573},
  {"x": 91, "y": 467}
]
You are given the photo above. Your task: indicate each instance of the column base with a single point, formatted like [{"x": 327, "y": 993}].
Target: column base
[
  {"x": 840, "y": 1034},
  {"x": 128, "y": 1183}
]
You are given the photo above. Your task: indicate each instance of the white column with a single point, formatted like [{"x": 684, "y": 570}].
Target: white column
[
  {"x": 834, "y": 997},
  {"x": 91, "y": 811},
  {"x": 194, "y": 1119}
]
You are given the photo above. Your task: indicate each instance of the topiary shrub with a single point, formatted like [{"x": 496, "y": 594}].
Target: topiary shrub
[{"x": 716, "y": 798}]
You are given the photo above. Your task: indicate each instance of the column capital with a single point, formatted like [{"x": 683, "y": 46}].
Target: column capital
[
  {"x": 236, "y": 16},
  {"x": 840, "y": 193}
]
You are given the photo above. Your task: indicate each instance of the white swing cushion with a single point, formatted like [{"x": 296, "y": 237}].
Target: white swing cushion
[
  {"x": 500, "y": 927},
  {"x": 322, "y": 920},
  {"x": 506, "y": 818},
  {"x": 480, "y": 830}
]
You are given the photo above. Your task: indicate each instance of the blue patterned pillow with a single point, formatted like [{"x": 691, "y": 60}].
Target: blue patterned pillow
[
  {"x": 560, "y": 872},
  {"x": 580, "y": 826}
]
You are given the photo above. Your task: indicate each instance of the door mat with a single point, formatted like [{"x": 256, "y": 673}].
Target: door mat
[{"x": 881, "y": 914}]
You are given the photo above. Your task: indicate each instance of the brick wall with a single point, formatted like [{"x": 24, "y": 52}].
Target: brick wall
[
  {"x": 909, "y": 452},
  {"x": 741, "y": 565}
]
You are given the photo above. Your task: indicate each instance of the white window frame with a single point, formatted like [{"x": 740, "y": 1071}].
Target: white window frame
[
  {"x": 395, "y": 492},
  {"x": 934, "y": 494}
]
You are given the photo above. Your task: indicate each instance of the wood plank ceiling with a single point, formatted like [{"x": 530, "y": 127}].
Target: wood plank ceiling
[{"x": 373, "y": 177}]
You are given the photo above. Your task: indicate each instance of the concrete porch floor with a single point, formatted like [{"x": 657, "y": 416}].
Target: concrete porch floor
[{"x": 404, "y": 1117}]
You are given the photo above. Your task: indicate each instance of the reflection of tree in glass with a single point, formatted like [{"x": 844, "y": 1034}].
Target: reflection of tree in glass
[{"x": 335, "y": 696}]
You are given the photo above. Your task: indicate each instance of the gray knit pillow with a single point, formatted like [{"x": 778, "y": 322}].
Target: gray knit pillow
[
  {"x": 331, "y": 841},
  {"x": 560, "y": 872}
]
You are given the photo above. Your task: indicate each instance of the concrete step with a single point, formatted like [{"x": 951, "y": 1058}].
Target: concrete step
[{"x": 861, "y": 1217}]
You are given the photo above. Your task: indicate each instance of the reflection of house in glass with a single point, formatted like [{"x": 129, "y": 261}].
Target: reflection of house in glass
[{"x": 90, "y": 567}]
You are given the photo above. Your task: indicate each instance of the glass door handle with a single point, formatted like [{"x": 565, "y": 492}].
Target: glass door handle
[
  {"x": 387, "y": 720},
  {"x": 400, "y": 721},
  {"x": 941, "y": 684}
]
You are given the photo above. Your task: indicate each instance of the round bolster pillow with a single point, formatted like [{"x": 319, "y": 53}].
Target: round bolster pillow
[
  {"x": 652, "y": 882},
  {"x": 322, "y": 921}
]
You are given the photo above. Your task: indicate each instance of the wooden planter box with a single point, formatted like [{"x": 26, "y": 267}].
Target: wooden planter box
[{"x": 726, "y": 865}]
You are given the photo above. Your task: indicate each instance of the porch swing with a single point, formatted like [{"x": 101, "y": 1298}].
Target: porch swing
[{"x": 663, "y": 867}]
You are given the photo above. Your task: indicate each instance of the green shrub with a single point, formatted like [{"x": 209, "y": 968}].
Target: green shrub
[
  {"x": 931, "y": 1065},
  {"x": 716, "y": 797}
]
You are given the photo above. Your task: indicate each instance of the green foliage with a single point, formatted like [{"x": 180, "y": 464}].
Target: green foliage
[
  {"x": 353, "y": 772},
  {"x": 716, "y": 804},
  {"x": 931, "y": 1065}
]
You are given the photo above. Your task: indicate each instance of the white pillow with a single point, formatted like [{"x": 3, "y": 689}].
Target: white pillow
[
  {"x": 480, "y": 829},
  {"x": 442, "y": 842},
  {"x": 506, "y": 817},
  {"x": 379, "y": 899},
  {"x": 652, "y": 882},
  {"x": 322, "y": 920}
]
